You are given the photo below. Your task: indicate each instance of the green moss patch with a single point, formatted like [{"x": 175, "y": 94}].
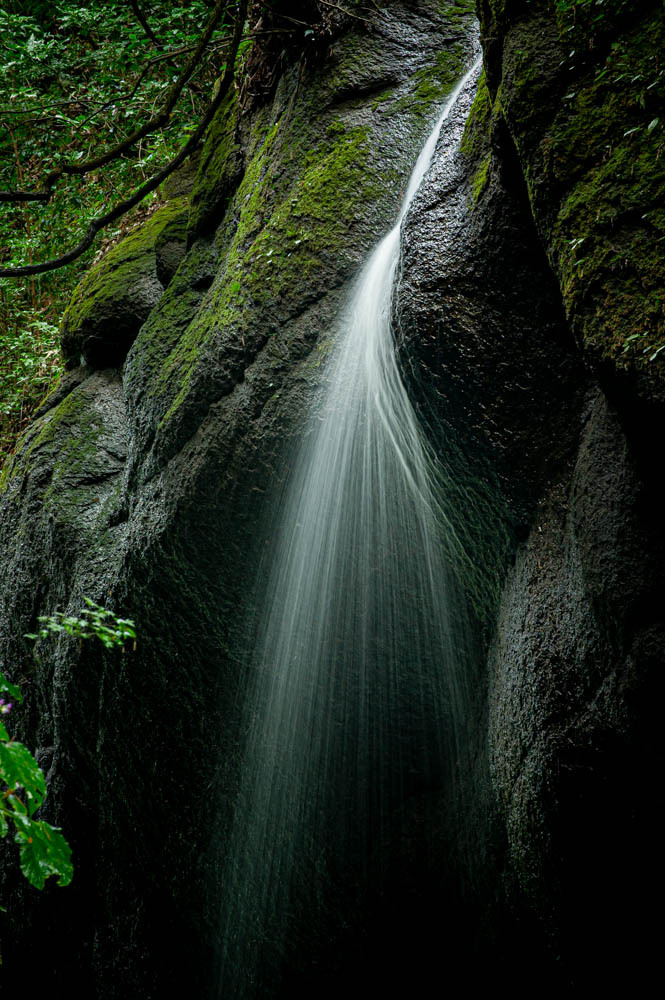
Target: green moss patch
[
  {"x": 220, "y": 168},
  {"x": 434, "y": 83},
  {"x": 116, "y": 296},
  {"x": 285, "y": 235},
  {"x": 319, "y": 182},
  {"x": 73, "y": 454},
  {"x": 584, "y": 98},
  {"x": 475, "y": 144}
]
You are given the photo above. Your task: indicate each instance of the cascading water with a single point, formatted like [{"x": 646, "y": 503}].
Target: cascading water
[{"x": 361, "y": 658}]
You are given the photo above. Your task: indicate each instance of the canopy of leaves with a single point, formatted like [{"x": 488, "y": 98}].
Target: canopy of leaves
[{"x": 75, "y": 80}]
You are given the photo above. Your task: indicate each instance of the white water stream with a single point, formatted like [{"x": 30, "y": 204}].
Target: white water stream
[{"x": 360, "y": 661}]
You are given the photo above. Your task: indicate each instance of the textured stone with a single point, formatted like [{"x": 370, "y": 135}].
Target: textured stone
[
  {"x": 563, "y": 431},
  {"x": 212, "y": 377},
  {"x": 570, "y": 726},
  {"x": 116, "y": 296},
  {"x": 583, "y": 95},
  {"x": 144, "y": 487}
]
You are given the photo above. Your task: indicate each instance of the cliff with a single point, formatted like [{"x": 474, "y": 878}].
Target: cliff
[
  {"x": 532, "y": 266},
  {"x": 530, "y": 319}
]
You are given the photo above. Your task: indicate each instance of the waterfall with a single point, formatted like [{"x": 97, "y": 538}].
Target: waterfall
[{"x": 360, "y": 663}]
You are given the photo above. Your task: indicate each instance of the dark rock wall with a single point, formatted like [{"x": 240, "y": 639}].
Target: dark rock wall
[
  {"x": 143, "y": 486},
  {"x": 577, "y": 662},
  {"x": 582, "y": 94},
  {"x": 544, "y": 366},
  {"x": 574, "y": 677}
]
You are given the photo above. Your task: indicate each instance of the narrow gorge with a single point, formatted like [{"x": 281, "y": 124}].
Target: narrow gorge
[{"x": 360, "y": 428}]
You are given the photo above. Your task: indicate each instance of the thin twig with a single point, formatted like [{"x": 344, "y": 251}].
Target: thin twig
[
  {"x": 144, "y": 24},
  {"x": 378, "y": 9},
  {"x": 89, "y": 100},
  {"x": 26, "y": 215},
  {"x": 358, "y": 17}
]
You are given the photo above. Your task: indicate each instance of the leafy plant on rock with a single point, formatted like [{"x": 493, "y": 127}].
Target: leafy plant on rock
[
  {"x": 43, "y": 850},
  {"x": 92, "y": 622}
]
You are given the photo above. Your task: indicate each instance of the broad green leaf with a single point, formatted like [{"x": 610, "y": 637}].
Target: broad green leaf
[
  {"x": 19, "y": 769},
  {"x": 44, "y": 852}
]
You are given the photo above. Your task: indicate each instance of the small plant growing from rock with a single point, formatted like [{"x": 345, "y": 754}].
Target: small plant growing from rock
[
  {"x": 43, "y": 850},
  {"x": 93, "y": 621}
]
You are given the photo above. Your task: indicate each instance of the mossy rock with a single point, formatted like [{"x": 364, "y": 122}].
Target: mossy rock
[
  {"x": 583, "y": 96},
  {"x": 296, "y": 194},
  {"x": 476, "y": 141},
  {"x": 114, "y": 299},
  {"x": 215, "y": 388},
  {"x": 220, "y": 168}
]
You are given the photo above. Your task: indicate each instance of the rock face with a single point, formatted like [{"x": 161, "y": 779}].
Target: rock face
[
  {"x": 529, "y": 325},
  {"x": 141, "y": 484},
  {"x": 581, "y": 93},
  {"x": 564, "y": 427},
  {"x": 117, "y": 295}
]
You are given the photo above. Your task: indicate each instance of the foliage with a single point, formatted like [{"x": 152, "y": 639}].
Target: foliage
[
  {"x": 93, "y": 621},
  {"x": 43, "y": 849},
  {"x": 595, "y": 10},
  {"x": 610, "y": 136},
  {"x": 29, "y": 361},
  {"x": 74, "y": 80}
]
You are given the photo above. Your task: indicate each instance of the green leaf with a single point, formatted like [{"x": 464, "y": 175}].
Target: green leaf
[
  {"x": 93, "y": 620},
  {"x": 19, "y": 769},
  {"x": 44, "y": 852},
  {"x": 6, "y": 687}
]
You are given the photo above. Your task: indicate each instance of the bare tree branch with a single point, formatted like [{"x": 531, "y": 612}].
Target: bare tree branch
[
  {"x": 349, "y": 13},
  {"x": 158, "y": 121},
  {"x": 124, "y": 206},
  {"x": 140, "y": 17}
]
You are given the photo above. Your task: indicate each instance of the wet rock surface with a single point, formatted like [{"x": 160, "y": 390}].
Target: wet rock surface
[
  {"x": 143, "y": 484},
  {"x": 481, "y": 328},
  {"x": 573, "y": 682},
  {"x": 206, "y": 392},
  {"x": 562, "y": 436}
]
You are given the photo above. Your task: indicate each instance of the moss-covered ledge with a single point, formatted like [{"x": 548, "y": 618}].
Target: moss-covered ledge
[{"x": 114, "y": 299}]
